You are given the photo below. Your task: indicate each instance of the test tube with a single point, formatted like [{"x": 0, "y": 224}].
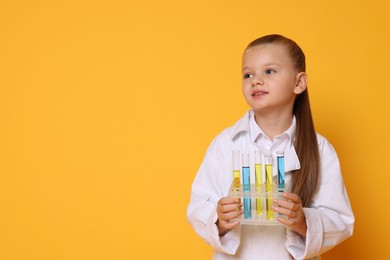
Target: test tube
[
  {"x": 246, "y": 184},
  {"x": 236, "y": 169},
  {"x": 268, "y": 184},
  {"x": 259, "y": 182},
  {"x": 280, "y": 160}
]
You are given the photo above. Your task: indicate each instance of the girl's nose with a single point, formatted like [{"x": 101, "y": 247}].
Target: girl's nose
[{"x": 256, "y": 81}]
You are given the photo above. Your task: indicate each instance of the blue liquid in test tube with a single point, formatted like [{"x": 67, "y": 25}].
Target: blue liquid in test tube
[
  {"x": 280, "y": 160},
  {"x": 246, "y": 184},
  {"x": 280, "y": 163}
]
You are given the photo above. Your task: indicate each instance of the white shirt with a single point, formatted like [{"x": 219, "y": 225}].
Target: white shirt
[{"x": 329, "y": 220}]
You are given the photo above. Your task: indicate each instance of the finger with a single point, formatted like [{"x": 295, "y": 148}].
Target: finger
[
  {"x": 228, "y": 205},
  {"x": 287, "y": 221},
  {"x": 231, "y": 225},
  {"x": 287, "y": 212},
  {"x": 231, "y": 215},
  {"x": 286, "y": 204},
  {"x": 226, "y": 200},
  {"x": 230, "y": 208},
  {"x": 293, "y": 197}
]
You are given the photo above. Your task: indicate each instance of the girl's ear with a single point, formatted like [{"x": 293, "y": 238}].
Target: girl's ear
[{"x": 301, "y": 83}]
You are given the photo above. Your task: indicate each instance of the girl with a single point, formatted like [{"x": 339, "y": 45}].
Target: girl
[{"x": 318, "y": 215}]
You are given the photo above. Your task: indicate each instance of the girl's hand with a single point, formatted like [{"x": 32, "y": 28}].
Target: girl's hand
[
  {"x": 292, "y": 209},
  {"x": 227, "y": 209}
]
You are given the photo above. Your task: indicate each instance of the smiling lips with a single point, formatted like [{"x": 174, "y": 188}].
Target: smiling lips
[{"x": 258, "y": 93}]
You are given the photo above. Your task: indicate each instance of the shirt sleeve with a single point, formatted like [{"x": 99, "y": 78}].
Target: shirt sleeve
[
  {"x": 205, "y": 193},
  {"x": 330, "y": 219}
]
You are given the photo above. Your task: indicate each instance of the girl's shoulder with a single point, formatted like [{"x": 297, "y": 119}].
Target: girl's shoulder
[
  {"x": 233, "y": 135},
  {"x": 241, "y": 126},
  {"x": 324, "y": 145}
]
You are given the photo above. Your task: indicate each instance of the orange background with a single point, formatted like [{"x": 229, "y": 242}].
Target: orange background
[{"x": 107, "y": 109}]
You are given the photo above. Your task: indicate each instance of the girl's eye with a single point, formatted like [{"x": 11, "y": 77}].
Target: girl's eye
[
  {"x": 270, "y": 71},
  {"x": 247, "y": 76}
]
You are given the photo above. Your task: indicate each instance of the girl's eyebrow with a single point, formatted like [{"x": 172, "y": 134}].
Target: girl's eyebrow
[{"x": 264, "y": 65}]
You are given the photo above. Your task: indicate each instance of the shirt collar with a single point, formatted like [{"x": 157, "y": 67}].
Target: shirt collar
[
  {"x": 242, "y": 125},
  {"x": 248, "y": 124},
  {"x": 256, "y": 131}
]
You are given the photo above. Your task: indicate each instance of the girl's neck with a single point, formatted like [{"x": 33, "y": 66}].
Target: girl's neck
[{"x": 273, "y": 124}]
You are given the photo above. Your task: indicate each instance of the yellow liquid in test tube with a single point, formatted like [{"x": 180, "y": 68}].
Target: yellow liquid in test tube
[
  {"x": 268, "y": 187},
  {"x": 236, "y": 178},
  {"x": 236, "y": 159},
  {"x": 259, "y": 181}
]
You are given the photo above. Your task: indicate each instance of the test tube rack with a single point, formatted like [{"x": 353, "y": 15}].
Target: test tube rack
[{"x": 258, "y": 192}]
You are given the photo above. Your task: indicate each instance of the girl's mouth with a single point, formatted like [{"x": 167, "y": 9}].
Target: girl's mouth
[{"x": 258, "y": 93}]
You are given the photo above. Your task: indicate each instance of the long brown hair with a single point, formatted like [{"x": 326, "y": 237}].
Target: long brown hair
[{"x": 304, "y": 182}]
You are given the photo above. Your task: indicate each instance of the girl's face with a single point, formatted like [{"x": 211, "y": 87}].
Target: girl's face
[{"x": 269, "y": 80}]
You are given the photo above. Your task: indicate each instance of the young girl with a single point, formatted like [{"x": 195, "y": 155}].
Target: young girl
[{"x": 316, "y": 208}]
